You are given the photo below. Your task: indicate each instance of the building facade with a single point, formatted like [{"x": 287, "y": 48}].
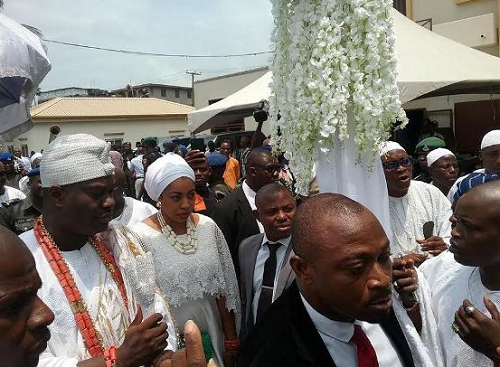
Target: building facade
[
  {"x": 116, "y": 120},
  {"x": 463, "y": 119},
  {"x": 178, "y": 94}
]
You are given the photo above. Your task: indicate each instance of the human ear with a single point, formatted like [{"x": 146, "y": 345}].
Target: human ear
[
  {"x": 302, "y": 269},
  {"x": 57, "y": 194}
]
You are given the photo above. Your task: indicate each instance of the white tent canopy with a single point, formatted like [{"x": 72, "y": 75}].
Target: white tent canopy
[{"x": 428, "y": 65}]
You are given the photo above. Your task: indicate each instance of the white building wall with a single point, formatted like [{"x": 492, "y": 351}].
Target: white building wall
[
  {"x": 129, "y": 130},
  {"x": 221, "y": 87}
]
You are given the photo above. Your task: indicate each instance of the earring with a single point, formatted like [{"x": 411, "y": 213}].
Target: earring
[{"x": 158, "y": 204}]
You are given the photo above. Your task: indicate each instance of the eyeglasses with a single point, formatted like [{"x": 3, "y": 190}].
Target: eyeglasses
[
  {"x": 271, "y": 168},
  {"x": 394, "y": 165}
]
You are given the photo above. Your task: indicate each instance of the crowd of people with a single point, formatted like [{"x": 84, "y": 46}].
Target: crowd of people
[{"x": 137, "y": 257}]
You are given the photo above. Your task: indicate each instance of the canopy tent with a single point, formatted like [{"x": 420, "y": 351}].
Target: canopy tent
[{"x": 428, "y": 65}]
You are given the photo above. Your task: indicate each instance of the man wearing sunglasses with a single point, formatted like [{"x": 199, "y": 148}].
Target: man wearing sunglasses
[
  {"x": 419, "y": 212},
  {"x": 234, "y": 214}
]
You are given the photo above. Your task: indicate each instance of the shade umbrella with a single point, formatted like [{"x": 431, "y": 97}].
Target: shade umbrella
[{"x": 23, "y": 65}]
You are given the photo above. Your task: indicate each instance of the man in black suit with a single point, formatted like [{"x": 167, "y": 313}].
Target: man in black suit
[
  {"x": 265, "y": 269},
  {"x": 339, "y": 312},
  {"x": 234, "y": 213}
]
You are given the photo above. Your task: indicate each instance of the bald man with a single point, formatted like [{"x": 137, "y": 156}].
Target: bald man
[
  {"x": 24, "y": 318},
  {"x": 264, "y": 257},
  {"x": 128, "y": 211},
  {"x": 466, "y": 320},
  {"x": 341, "y": 311}
]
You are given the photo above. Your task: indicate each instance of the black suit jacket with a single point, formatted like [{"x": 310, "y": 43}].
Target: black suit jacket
[
  {"x": 234, "y": 217},
  {"x": 286, "y": 336}
]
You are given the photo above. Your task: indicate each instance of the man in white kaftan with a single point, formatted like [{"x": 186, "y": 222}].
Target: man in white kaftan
[
  {"x": 128, "y": 211},
  {"x": 459, "y": 287},
  {"x": 490, "y": 156},
  {"x": 78, "y": 204},
  {"x": 414, "y": 205}
]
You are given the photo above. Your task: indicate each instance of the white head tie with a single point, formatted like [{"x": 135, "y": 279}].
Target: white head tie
[
  {"x": 387, "y": 146},
  {"x": 163, "y": 172},
  {"x": 437, "y": 153},
  {"x": 75, "y": 158},
  {"x": 490, "y": 139}
]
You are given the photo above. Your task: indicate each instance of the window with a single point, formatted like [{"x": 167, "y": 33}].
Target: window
[
  {"x": 177, "y": 93},
  {"x": 400, "y": 5},
  {"x": 163, "y": 92},
  {"x": 189, "y": 94}
]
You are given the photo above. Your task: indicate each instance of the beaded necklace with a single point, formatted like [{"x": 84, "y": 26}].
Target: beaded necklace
[
  {"x": 188, "y": 248},
  {"x": 91, "y": 336}
]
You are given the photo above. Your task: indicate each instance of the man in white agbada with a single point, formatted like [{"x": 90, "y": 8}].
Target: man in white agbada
[
  {"x": 419, "y": 212},
  {"x": 103, "y": 288},
  {"x": 128, "y": 211},
  {"x": 443, "y": 168},
  {"x": 489, "y": 155},
  {"x": 466, "y": 293}
]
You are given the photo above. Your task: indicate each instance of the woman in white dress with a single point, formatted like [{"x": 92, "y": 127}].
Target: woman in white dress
[{"x": 193, "y": 264}]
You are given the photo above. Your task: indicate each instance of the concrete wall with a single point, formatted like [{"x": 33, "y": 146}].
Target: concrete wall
[
  {"x": 442, "y": 11},
  {"x": 155, "y": 92},
  {"x": 130, "y": 130},
  {"x": 221, "y": 87}
]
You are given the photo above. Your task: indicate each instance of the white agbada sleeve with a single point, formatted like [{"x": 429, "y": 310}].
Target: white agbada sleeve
[
  {"x": 426, "y": 346},
  {"x": 139, "y": 268}
]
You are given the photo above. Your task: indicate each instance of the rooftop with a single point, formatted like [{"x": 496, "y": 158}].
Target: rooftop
[{"x": 74, "y": 108}]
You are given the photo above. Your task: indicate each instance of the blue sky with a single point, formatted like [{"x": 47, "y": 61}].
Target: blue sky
[{"x": 168, "y": 26}]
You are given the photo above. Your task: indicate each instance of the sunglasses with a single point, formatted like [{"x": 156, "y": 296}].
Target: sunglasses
[
  {"x": 394, "y": 165},
  {"x": 271, "y": 168}
]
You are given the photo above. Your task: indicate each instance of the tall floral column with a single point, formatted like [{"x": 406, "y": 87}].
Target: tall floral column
[{"x": 335, "y": 95}]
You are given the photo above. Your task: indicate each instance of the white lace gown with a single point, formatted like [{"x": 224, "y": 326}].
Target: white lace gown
[{"x": 193, "y": 282}]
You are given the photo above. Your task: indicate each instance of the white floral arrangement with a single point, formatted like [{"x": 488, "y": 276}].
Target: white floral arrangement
[{"x": 334, "y": 64}]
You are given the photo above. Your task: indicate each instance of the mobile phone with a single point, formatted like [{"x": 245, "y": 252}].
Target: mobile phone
[
  {"x": 428, "y": 229},
  {"x": 198, "y": 144}
]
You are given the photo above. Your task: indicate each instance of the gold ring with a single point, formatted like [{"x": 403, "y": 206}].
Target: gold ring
[{"x": 455, "y": 327}]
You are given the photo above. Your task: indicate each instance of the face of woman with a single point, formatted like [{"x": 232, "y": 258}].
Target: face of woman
[{"x": 177, "y": 201}]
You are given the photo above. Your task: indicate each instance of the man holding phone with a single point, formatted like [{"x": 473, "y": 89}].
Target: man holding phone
[{"x": 419, "y": 212}]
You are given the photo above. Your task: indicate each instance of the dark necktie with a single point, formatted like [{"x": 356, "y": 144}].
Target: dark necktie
[
  {"x": 266, "y": 294},
  {"x": 366, "y": 354}
]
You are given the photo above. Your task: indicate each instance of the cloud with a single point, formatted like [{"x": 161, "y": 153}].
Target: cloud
[{"x": 173, "y": 26}]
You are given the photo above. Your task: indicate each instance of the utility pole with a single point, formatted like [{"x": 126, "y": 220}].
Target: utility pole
[{"x": 192, "y": 73}]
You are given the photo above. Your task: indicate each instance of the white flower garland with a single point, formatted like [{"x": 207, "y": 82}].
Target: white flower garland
[{"x": 332, "y": 57}]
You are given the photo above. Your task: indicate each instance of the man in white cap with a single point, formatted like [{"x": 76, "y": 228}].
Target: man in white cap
[
  {"x": 443, "y": 168},
  {"x": 419, "y": 212},
  {"x": 489, "y": 155},
  {"x": 95, "y": 289}
]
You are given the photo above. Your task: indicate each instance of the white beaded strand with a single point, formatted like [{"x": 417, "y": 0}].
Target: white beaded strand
[{"x": 188, "y": 248}]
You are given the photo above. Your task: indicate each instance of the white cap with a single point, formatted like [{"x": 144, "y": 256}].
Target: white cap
[
  {"x": 75, "y": 158},
  {"x": 35, "y": 156},
  {"x": 437, "y": 153},
  {"x": 387, "y": 146},
  {"x": 163, "y": 172},
  {"x": 490, "y": 139}
]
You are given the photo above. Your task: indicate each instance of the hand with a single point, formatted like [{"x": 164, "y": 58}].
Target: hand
[
  {"x": 405, "y": 276},
  {"x": 144, "y": 340},
  {"x": 433, "y": 245},
  {"x": 417, "y": 259},
  {"x": 195, "y": 158},
  {"x": 192, "y": 355},
  {"x": 479, "y": 331},
  {"x": 229, "y": 357}
]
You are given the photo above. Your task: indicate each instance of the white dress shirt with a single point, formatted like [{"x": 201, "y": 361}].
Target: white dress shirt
[
  {"x": 262, "y": 256},
  {"x": 250, "y": 195},
  {"x": 10, "y": 194},
  {"x": 336, "y": 336},
  {"x": 137, "y": 166}
]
